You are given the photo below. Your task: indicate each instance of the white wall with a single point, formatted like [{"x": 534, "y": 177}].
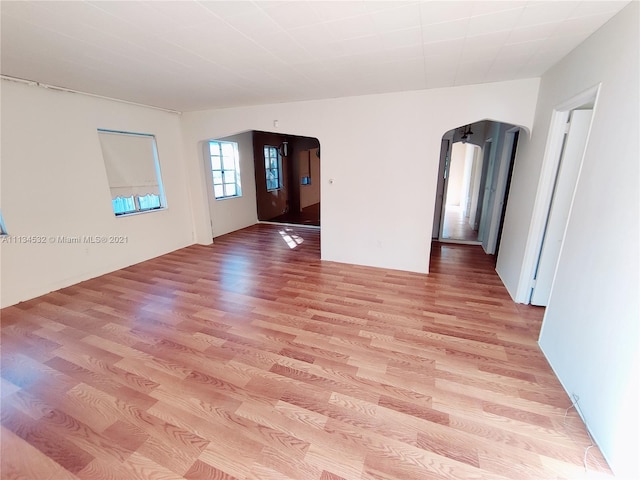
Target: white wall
[
  {"x": 590, "y": 332},
  {"x": 54, "y": 183},
  {"x": 457, "y": 168},
  {"x": 230, "y": 214},
  {"x": 470, "y": 154},
  {"x": 369, "y": 143},
  {"x": 476, "y": 184}
]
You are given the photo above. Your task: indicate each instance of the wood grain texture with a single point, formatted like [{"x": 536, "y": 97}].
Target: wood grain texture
[{"x": 248, "y": 359}]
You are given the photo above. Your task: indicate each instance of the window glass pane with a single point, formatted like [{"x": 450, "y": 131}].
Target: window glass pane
[
  {"x": 272, "y": 179},
  {"x": 218, "y": 191},
  {"x": 217, "y": 177},
  {"x": 123, "y": 205},
  {"x": 148, "y": 202},
  {"x": 229, "y": 176},
  {"x": 266, "y": 152},
  {"x": 231, "y": 189},
  {"x": 228, "y": 163},
  {"x": 215, "y": 163},
  {"x": 227, "y": 150},
  {"x": 274, "y": 163},
  {"x": 3, "y": 229},
  {"x": 214, "y": 148}
]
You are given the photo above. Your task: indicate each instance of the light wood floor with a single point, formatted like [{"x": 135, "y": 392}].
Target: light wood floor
[
  {"x": 252, "y": 359},
  {"x": 456, "y": 225}
]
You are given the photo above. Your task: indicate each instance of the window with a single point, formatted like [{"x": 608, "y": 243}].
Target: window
[
  {"x": 273, "y": 168},
  {"x": 225, "y": 169},
  {"x": 133, "y": 171}
]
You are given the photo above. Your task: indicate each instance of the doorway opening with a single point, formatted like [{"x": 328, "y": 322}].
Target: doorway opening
[
  {"x": 462, "y": 178},
  {"x": 476, "y": 163},
  {"x": 287, "y": 174}
]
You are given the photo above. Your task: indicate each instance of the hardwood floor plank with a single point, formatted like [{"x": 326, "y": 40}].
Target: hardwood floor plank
[
  {"x": 201, "y": 471},
  {"x": 248, "y": 359},
  {"x": 23, "y": 461},
  {"x": 139, "y": 467},
  {"x": 39, "y": 435}
]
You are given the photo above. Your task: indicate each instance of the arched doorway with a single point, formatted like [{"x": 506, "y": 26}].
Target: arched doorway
[{"x": 476, "y": 162}]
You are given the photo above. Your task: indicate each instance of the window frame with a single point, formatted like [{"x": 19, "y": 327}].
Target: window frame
[
  {"x": 222, "y": 169},
  {"x": 268, "y": 168},
  {"x": 135, "y": 198}
]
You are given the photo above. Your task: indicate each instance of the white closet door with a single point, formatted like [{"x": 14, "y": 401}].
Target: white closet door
[{"x": 566, "y": 179}]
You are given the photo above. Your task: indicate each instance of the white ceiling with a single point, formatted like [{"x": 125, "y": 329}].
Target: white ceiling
[{"x": 189, "y": 55}]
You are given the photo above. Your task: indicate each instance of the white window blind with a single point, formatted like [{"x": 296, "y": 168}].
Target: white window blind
[{"x": 131, "y": 162}]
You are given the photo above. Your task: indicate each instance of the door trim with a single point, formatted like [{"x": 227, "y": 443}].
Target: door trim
[
  {"x": 445, "y": 172},
  {"x": 548, "y": 171},
  {"x": 440, "y": 188}
]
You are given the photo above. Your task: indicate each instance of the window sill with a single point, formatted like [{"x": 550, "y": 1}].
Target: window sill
[
  {"x": 140, "y": 212},
  {"x": 228, "y": 198}
]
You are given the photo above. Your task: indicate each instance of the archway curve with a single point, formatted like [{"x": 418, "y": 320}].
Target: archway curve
[{"x": 523, "y": 129}]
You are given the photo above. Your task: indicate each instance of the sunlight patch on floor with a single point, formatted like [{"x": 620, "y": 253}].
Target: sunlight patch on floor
[{"x": 291, "y": 238}]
